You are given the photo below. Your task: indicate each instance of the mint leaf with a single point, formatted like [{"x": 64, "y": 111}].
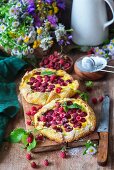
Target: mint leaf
[
  {"x": 47, "y": 73},
  {"x": 84, "y": 96},
  {"x": 24, "y": 139},
  {"x": 32, "y": 145},
  {"x": 89, "y": 84},
  {"x": 75, "y": 105},
  {"x": 16, "y": 135}
]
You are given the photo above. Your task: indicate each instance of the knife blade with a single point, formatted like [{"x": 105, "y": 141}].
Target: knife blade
[{"x": 103, "y": 130}]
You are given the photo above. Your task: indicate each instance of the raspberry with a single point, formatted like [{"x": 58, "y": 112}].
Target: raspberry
[
  {"x": 28, "y": 122},
  {"x": 78, "y": 118},
  {"x": 33, "y": 165},
  {"x": 33, "y": 113},
  {"x": 62, "y": 154},
  {"x": 28, "y": 113},
  {"x": 29, "y": 139},
  {"x": 61, "y": 62},
  {"x": 100, "y": 99},
  {"x": 43, "y": 119},
  {"x": 39, "y": 137},
  {"x": 34, "y": 108},
  {"x": 28, "y": 156},
  {"x": 58, "y": 90},
  {"x": 46, "y": 163},
  {"x": 94, "y": 100}
]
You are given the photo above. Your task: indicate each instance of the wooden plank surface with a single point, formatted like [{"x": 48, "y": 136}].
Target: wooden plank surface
[{"x": 13, "y": 158}]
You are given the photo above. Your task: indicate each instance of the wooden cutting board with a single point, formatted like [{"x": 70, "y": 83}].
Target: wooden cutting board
[{"x": 48, "y": 145}]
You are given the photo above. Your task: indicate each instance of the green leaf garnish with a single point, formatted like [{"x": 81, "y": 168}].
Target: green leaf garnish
[
  {"x": 32, "y": 145},
  {"x": 24, "y": 139},
  {"x": 16, "y": 135},
  {"x": 84, "y": 96},
  {"x": 89, "y": 84},
  {"x": 47, "y": 73},
  {"x": 73, "y": 106}
]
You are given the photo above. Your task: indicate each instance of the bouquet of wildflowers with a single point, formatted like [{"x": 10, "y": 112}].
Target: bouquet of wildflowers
[{"x": 29, "y": 24}]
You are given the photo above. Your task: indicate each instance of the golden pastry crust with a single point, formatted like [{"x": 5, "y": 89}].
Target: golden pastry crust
[
  {"x": 78, "y": 132},
  {"x": 42, "y": 98}
]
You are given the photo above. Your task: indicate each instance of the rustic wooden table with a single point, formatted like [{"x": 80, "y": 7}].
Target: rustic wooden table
[{"x": 12, "y": 157}]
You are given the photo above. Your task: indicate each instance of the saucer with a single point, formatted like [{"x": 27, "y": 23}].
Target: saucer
[{"x": 103, "y": 62}]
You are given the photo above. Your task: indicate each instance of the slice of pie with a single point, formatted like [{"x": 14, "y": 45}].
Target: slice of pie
[
  {"x": 65, "y": 120},
  {"x": 42, "y": 85}
]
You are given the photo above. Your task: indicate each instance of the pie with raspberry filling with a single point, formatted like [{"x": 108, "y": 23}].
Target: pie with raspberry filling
[
  {"x": 65, "y": 120},
  {"x": 42, "y": 85}
]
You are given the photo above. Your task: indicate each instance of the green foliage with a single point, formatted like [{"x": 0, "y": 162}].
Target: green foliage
[
  {"x": 89, "y": 84},
  {"x": 47, "y": 73},
  {"x": 20, "y": 135},
  {"x": 32, "y": 145},
  {"x": 88, "y": 145},
  {"x": 16, "y": 135},
  {"x": 83, "y": 95},
  {"x": 73, "y": 106}
]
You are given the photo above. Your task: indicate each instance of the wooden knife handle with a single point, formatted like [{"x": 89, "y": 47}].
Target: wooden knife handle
[{"x": 102, "y": 149}]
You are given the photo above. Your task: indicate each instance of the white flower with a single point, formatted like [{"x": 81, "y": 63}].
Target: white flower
[
  {"x": 99, "y": 51},
  {"x": 15, "y": 52},
  {"x": 18, "y": 5},
  {"x": 32, "y": 34},
  {"x": 31, "y": 50},
  {"x": 112, "y": 41},
  {"x": 2, "y": 28},
  {"x": 91, "y": 150},
  {"x": 31, "y": 28},
  {"x": 60, "y": 32},
  {"x": 25, "y": 52},
  {"x": 31, "y": 40},
  {"x": 46, "y": 43},
  {"x": 15, "y": 24},
  {"x": 14, "y": 11}
]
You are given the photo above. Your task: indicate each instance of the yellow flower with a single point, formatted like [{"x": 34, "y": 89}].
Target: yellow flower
[
  {"x": 39, "y": 31},
  {"x": 56, "y": 10},
  {"x": 26, "y": 39},
  {"x": 36, "y": 44},
  {"x": 50, "y": 12},
  {"x": 51, "y": 42},
  {"x": 12, "y": 34},
  {"x": 54, "y": 4}
]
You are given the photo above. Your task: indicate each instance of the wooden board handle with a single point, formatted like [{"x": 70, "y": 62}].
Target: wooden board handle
[{"x": 103, "y": 148}]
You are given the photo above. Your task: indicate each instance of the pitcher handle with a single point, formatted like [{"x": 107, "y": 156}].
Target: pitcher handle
[{"x": 111, "y": 5}]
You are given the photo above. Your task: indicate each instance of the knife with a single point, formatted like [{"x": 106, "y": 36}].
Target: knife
[{"x": 103, "y": 130}]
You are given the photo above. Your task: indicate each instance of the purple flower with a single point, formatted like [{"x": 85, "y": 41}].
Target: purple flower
[
  {"x": 61, "y": 4},
  {"x": 49, "y": 1},
  {"x": 61, "y": 42},
  {"x": 70, "y": 37},
  {"x": 31, "y": 7},
  {"x": 37, "y": 21},
  {"x": 52, "y": 19}
]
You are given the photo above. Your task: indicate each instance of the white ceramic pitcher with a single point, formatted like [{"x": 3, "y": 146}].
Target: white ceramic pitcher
[{"x": 89, "y": 21}]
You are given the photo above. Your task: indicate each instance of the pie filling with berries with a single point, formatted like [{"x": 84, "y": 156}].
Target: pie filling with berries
[
  {"x": 42, "y": 85},
  {"x": 65, "y": 120}
]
